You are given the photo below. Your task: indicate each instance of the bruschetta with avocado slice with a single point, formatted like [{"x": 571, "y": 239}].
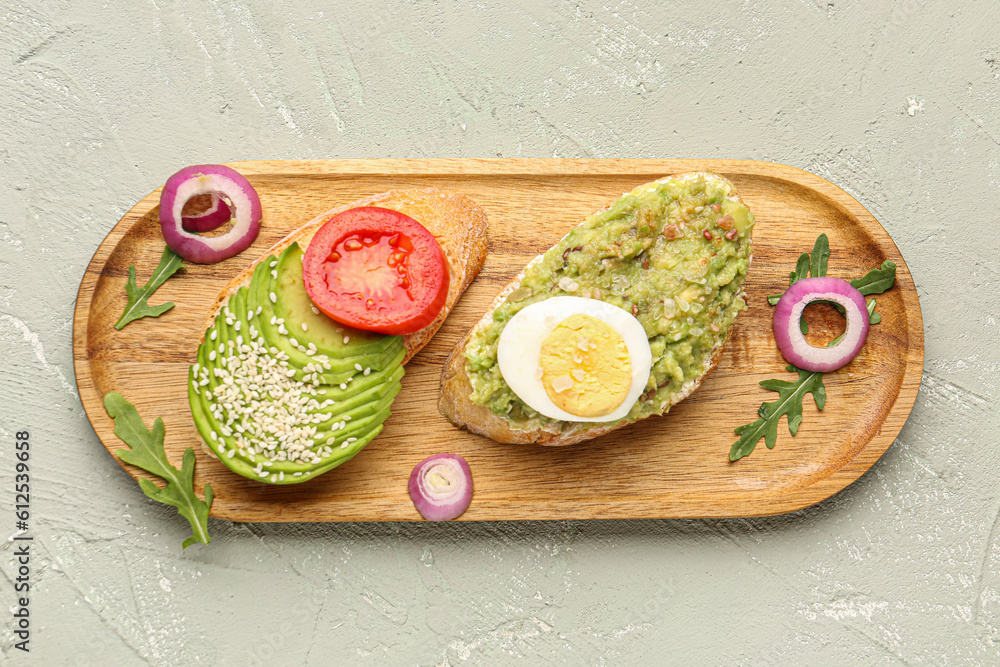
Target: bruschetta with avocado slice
[{"x": 280, "y": 391}]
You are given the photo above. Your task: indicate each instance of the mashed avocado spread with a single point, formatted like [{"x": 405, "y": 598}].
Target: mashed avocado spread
[{"x": 674, "y": 253}]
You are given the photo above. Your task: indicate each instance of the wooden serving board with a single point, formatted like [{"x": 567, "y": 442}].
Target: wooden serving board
[{"x": 674, "y": 466}]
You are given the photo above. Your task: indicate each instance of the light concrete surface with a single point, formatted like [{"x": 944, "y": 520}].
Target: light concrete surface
[{"x": 896, "y": 102}]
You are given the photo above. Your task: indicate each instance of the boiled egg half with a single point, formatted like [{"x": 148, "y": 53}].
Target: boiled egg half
[{"x": 575, "y": 359}]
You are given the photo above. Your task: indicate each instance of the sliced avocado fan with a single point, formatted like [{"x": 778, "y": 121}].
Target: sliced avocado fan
[{"x": 281, "y": 393}]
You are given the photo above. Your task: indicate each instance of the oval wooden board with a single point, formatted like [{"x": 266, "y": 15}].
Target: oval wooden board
[{"x": 674, "y": 466}]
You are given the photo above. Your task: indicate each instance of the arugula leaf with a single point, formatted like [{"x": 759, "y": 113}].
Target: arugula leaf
[
  {"x": 877, "y": 280},
  {"x": 820, "y": 256},
  {"x": 806, "y": 266},
  {"x": 137, "y": 307},
  {"x": 146, "y": 452},
  {"x": 801, "y": 269},
  {"x": 790, "y": 395}
]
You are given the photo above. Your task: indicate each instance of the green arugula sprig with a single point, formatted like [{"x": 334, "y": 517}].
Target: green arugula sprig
[
  {"x": 790, "y": 394},
  {"x": 146, "y": 452},
  {"x": 137, "y": 307}
]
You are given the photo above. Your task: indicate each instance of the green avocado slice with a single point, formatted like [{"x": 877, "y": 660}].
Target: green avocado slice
[
  {"x": 357, "y": 414},
  {"x": 295, "y": 307},
  {"x": 290, "y": 338},
  {"x": 357, "y": 390}
]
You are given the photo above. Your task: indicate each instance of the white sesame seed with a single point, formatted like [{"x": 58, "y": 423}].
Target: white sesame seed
[
  {"x": 347, "y": 339},
  {"x": 213, "y": 435},
  {"x": 222, "y": 348},
  {"x": 343, "y": 386},
  {"x": 274, "y": 263},
  {"x": 229, "y": 321},
  {"x": 315, "y": 310},
  {"x": 281, "y": 476},
  {"x": 358, "y": 367},
  {"x": 368, "y": 371},
  {"x": 213, "y": 335},
  {"x": 271, "y": 414},
  {"x": 263, "y": 473},
  {"x": 274, "y": 274},
  {"x": 258, "y": 311},
  {"x": 294, "y": 342},
  {"x": 238, "y": 324},
  {"x": 211, "y": 355},
  {"x": 197, "y": 367},
  {"x": 273, "y": 297},
  {"x": 305, "y": 327}
]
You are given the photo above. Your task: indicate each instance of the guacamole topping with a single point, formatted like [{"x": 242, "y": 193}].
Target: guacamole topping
[{"x": 674, "y": 253}]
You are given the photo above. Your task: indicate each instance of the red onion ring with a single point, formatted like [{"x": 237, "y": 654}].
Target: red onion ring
[
  {"x": 211, "y": 218},
  {"x": 788, "y": 313},
  {"x": 441, "y": 487},
  {"x": 207, "y": 179}
]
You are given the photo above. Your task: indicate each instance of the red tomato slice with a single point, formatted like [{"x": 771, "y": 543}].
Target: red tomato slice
[{"x": 376, "y": 269}]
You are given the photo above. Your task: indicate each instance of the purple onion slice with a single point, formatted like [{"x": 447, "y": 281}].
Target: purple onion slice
[
  {"x": 788, "y": 314},
  {"x": 441, "y": 487},
  {"x": 208, "y": 179},
  {"x": 216, "y": 215}
]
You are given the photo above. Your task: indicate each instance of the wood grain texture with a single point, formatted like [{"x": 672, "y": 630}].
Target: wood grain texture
[{"x": 669, "y": 467}]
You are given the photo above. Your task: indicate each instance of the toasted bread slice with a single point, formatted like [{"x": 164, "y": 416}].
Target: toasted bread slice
[
  {"x": 457, "y": 222},
  {"x": 456, "y": 388}
]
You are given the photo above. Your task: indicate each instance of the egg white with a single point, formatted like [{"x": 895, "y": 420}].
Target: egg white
[{"x": 520, "y": 346}]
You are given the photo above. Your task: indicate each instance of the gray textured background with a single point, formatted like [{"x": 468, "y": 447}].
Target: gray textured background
[{"x": 896, "y": 102}]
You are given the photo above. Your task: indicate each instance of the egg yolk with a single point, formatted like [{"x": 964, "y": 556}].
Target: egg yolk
[{"x": 586, "y": 369}]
